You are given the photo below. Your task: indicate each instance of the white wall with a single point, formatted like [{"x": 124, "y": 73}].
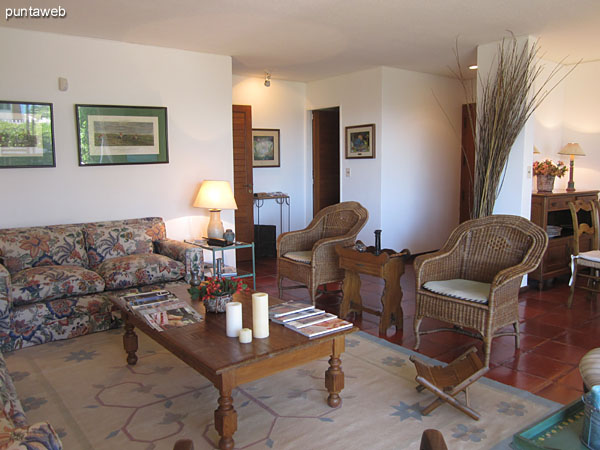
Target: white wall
[
  {"x": 582, "y": 123},
  {"x": 196, "y": 89},
  {"x": 358, "y": 96},
  {"x": 420, "y": 161},
  {"x": 279, "y": 106}
]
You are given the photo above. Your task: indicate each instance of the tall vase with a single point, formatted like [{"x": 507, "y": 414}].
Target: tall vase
[{"x": 545, "y": 183}]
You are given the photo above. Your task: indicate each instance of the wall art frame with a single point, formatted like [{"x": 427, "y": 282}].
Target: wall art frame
[
  {"x": 118, "y": 135},
  {"x": 360, "y": 141},
  {"x": 265, "y": 147},
  {"x": 26, "y": 135}
]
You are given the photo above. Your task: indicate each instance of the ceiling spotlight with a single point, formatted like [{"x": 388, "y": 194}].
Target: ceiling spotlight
[
  {"x": 473, "y": 67},
  {"x": 267, "y": 79}
]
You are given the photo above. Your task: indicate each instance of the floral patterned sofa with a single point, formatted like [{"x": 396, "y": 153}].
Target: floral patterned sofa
[
  {"x": 15, "y": 433},
  {"x": 55, "y": 280}
]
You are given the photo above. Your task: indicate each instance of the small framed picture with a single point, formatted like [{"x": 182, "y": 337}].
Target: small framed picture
[
  {"x": 265, "y": 147},
  {"x": 360, "y": 141},
  {"x": 112, "y": 135},
  {"x": 26, "y": 135}
]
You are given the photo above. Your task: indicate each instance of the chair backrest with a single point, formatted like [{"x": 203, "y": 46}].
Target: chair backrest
[
  {"x": 493, "y": 243},
  {"x": 582, "y": 228},
  {"x": 341, "y": 219}
]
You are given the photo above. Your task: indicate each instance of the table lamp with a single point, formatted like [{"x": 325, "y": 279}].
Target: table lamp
[
  {"x": 572, "y": 149},
  {"x": 215, "y": 195}
]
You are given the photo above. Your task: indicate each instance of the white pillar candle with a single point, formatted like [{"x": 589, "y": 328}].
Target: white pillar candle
[
  {"x": 233, "y": 318},
  {"x": 245, "y": 335},
  {"x": 260, "y": 315}
]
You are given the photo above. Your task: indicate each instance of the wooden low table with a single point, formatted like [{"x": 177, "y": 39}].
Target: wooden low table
[
  {"x": 387, "y": 265},
  {"x": 227, "y": 364}
]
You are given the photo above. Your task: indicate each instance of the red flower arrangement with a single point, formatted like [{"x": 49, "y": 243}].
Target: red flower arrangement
[
  {"x": 548, "y": 167},
  {"x": 216, "y": 287}
]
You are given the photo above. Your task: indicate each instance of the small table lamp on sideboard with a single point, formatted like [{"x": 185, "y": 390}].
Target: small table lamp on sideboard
[
  {"x": 572, "y": 149},
  {"x": 215, "y": 195}
]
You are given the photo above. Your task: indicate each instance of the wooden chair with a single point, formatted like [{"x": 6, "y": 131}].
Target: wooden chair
[
  {"x": 585, "y": 264},
  {"x": 446, "y": 382},
  {"x": 432, "y": 440},
  {"x": 473, "y": 281},
  {"x": 308, "y": 256}
]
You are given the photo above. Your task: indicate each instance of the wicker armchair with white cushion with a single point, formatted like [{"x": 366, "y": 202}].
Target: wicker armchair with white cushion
[
  {"x": 473, "y": 281},
  {"x": 308, "y": 256}
]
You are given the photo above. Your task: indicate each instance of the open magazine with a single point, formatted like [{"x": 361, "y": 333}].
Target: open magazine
[{"x": 161, "y": 309}]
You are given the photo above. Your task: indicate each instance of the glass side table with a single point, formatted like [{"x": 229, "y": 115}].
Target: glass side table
[{"x": 215, "y": 249}]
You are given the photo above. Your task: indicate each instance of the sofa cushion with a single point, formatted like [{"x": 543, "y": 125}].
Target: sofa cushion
[
  {"x": 51, "y": 282},
  {"x": 37, "y": 436},
  {"x": 136, "y": 270},
  {"x": 106, "y": 242},
  {"x": 23, "y": 248}
]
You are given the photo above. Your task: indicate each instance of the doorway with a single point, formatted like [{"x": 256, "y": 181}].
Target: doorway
[{"x": 326, "y": 157}]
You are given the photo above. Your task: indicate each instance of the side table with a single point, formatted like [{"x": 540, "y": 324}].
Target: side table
[
  {"x": 387, "y": 265},
  {"x": 215, "y": 249}
]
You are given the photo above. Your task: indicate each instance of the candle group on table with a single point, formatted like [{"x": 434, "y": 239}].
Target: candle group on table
[{"x": 260, "y": 319}]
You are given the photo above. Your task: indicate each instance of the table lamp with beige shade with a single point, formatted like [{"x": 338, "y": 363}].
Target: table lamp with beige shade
[
  {"x": 215, "y": 195},
  {"x": 572, "y": 149}
]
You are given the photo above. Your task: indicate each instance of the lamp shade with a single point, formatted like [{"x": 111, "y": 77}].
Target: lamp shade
[
  {"x": 214, "y": 194},
  {"x": 536, "y": 150},
  {"x": 572, "y": 148}
]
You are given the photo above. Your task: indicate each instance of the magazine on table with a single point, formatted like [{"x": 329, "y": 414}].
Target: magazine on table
[
  {"x": 161, "y": 309},
  {"x": 297, "y": 315},
  {"x": 283, "y": 309},
  {"x": 228, "y": 271},
  {"x": 310, "y": 320},
  {"x": 329, "y": 326}
]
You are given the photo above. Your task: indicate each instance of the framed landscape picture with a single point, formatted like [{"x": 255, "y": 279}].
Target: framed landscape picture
[
  {"x": 265, "y": 147},
  {"x": 360, "y": 141},
  {"x": 110, "y": 135},
  {"x": 26, "y": 135}
]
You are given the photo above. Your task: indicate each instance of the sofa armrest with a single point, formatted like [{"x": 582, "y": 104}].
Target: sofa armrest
[
  {"x": 5, "y": 301},
  {"x": 40, "y": 435},
  {"x": 191, "y": 255}
]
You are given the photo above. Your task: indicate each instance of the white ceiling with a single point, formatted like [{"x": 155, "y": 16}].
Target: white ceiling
[{"x": 305, "y": 40}]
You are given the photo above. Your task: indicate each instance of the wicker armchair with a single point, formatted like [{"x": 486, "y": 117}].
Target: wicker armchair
[
  {"x": 474, "y": 280},
  {"x": 308, "y": 256}
]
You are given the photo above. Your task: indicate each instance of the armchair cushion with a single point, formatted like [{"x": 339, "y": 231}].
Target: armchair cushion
[
  {"x": 303, "y": 257},
  {"x": 135, "y": 270},
  {"x": 106, "y": 242},
  {"x": 473, "y": 291},
  {"x": 51, "y": 282}
]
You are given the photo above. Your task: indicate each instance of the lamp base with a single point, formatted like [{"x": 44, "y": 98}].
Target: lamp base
[{"x": 215, "y": 226}]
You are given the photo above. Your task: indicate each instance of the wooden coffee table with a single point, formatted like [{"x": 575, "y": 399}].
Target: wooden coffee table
[{"x": 227, "y": 364}]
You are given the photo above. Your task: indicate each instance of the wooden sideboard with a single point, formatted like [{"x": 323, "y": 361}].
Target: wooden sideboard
[{"x": 552, "y": 208}]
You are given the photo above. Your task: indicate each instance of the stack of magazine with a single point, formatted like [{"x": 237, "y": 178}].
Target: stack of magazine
[
  {"x": 307, "y": 320},
  {"x": 161, "y": 309}
]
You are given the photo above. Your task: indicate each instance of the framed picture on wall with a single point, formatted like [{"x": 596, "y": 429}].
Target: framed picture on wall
[
  {"x": 112, "y": 135},
  {"x": 26, "y": 135},
  {"x": 360, "y": 141},
  {"x": 265, "y": 147}
]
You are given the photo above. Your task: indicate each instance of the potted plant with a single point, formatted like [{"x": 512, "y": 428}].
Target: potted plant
[
  {"x": 216, "y": 292},
  {"x": 546, "y": 171}
]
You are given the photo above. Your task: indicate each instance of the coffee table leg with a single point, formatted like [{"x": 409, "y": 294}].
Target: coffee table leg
[
  {"x": 130, "y": 341},
  {"x": 334, "y": 377},
  {"x": 225, "y": 419}
]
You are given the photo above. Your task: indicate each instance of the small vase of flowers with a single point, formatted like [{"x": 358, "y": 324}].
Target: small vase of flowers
[
  {"x": 216, "y": 292},
  {"x": 546, "y": 171}
]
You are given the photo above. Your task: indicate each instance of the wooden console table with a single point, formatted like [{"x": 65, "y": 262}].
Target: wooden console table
[
  {"x": 387, "y": 265},
  {"x": 552, "y": 208}
]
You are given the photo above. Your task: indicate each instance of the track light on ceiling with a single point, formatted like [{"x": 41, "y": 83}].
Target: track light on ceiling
[{"x": 267, "y": 79}]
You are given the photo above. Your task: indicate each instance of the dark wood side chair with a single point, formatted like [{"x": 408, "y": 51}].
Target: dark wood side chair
[
  {"x": 308, "y": 256},
  {"x": 585, "y": 265},
  {"x": 432, "y": 440},
  {"x": 473, "y": 282}
]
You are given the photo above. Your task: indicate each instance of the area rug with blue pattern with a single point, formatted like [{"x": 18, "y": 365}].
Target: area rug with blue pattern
[{"x": 86, "y": 390}]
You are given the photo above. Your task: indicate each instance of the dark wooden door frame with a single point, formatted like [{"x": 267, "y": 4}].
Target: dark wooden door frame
[{"x": 326, "y": 164}]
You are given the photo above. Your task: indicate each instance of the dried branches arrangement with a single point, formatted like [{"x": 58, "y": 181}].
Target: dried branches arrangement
[{"x": 509, "y": 96}]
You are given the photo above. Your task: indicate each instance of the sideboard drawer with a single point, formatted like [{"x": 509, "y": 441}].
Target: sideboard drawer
[{"x": 558, "y": 203}]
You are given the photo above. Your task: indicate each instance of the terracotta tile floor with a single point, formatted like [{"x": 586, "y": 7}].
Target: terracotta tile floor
[{"x": 553, "y": 338}]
